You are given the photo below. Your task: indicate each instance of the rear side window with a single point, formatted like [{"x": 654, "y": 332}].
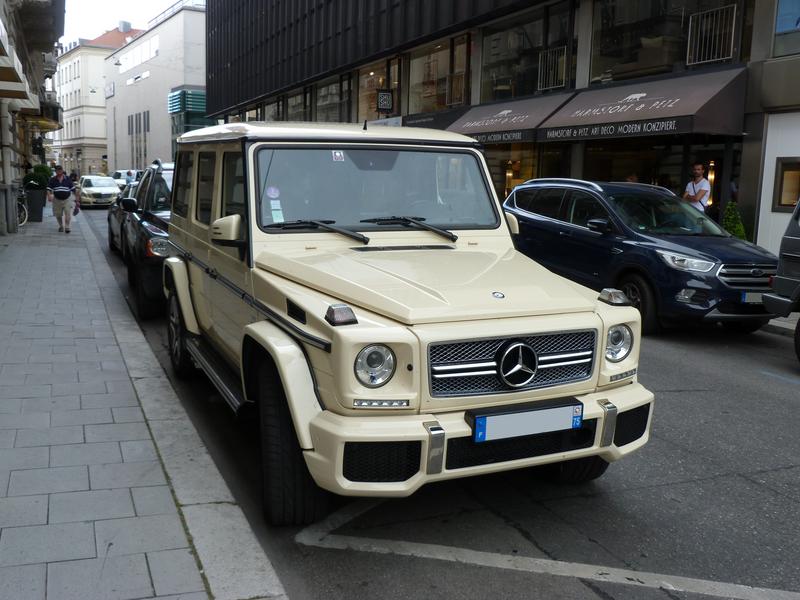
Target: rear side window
[
  {"x": 233, "y": 196},
  {"x": 183, "y": 181},
  {"x": 545, "y": 202},
  {"x": 206, "y": 166}
]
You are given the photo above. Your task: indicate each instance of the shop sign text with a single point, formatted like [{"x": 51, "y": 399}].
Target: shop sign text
[{"x": 629, "y": 128}]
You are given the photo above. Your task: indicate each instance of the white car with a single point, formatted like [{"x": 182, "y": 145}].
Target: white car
[
  {"x": 120, "y": 177},
  {"x": 97, "y": 190}
]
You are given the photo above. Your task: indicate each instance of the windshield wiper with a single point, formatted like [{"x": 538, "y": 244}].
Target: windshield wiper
[
  {"x": 326, "y": 224},
  {"x": 418, "y": 221}
]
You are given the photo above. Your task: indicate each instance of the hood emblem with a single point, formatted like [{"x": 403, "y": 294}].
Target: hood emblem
[
  {"x": 498, "y": 295},
  {"x": 517, "y": 365},
  {"x": 756, "y": 272}
]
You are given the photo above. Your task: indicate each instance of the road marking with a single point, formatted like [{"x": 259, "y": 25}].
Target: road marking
[
  {"x": 793, "y": 380},
  {"x": 320, "y": 536}
]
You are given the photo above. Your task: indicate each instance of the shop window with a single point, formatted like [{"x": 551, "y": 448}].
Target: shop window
[
  {"x": 636, "y": 39},
  {"x": 787, "y": 184},
  {"x": 332, "y": 100},
  {"x": 438, "y": 76},
  {"x": 522, "y": 58},
  {"x": 787, "y": 28},
  {"x": 383, "y": 77},
  {"x": 296, "y": 107}
]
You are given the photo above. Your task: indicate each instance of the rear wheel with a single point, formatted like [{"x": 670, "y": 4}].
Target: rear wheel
[
  {"x": 642, "y": 297},
  {"x": 290, "y": 495},
  {"x": 176, "y": 339},
  {"x": 576, "y": 471}
]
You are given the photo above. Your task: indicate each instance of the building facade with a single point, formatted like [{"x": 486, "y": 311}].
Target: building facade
[
  {"x": 80, "y": 146},
  {"x": 597, "y": 89},
  {"x": 29, "y": 31},
  {"x": 168, "y": 57}
]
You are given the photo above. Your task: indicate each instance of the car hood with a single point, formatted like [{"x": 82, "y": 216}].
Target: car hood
[
  {"x": 718, "y": 249},
  {"x": 433, "y": 285}
]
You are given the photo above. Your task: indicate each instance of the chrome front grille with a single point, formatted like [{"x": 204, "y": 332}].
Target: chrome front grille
[
  {"x": 747, "y": 277},
  {"x": 471, "y": 368}
]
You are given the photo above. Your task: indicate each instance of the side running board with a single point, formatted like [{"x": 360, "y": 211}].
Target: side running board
[{"x": 217, "y": 370}]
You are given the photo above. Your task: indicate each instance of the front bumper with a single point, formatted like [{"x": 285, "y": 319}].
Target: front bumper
[
  {"x": 780, "y": 305},
  {"x": 410, "y": 451},
  {"x": 86, "y": 201}
]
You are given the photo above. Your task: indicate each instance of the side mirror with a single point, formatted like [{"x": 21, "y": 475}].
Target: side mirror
[
  {"x": 129, "y": 204},
  {"x": 600, "y": 225},
  {"x": 227, "y": 232},
  {"x": 513, "y": 223}
]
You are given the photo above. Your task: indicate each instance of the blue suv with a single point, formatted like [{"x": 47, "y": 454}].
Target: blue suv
[{"x": 674, "y": 263}]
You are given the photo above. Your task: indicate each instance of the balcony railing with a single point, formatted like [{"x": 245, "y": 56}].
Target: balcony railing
[
  {"x": 711, "y": 36},
  {"x": 552, "y": 68}
]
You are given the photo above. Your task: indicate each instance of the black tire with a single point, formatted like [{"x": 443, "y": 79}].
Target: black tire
[
  {"x": 182, "y": 364},
  {"x": 797, "y": 340},
  {"x": 576, "y": 471},
  {"x": 289, "y": 494},
  {"x": 743, "y": 327},
  {"x": 146, "y": 308},
  {"x": 111, "y": 245},
  {"x": 642, "y": 297}
]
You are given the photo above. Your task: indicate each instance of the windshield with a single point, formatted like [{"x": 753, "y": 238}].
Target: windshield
[
  {"x": 661, "y": 213},
  {"x": 346, "y": 186},
  {"x": 99, "y": 182}
]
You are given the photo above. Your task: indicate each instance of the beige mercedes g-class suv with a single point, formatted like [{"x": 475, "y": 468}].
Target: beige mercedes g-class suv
[{"x": 359, "y": 288}]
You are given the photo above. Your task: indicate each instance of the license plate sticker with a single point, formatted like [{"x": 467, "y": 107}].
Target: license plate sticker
[
  {"x": 501, "y": 426},
  {"x": 752, "y": 298}
]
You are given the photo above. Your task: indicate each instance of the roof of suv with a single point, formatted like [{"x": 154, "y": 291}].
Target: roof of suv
[
  {"x": 608, "y": 187},
  {"x": 344, "y": 132}
]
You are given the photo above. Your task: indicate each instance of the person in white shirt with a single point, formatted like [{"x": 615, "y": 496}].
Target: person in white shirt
[{"x": 698, "y": 190}]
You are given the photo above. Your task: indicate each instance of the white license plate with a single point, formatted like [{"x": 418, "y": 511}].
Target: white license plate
[
  {"x": 487, "y": 428},
  {"x": 752, "y": 297}
]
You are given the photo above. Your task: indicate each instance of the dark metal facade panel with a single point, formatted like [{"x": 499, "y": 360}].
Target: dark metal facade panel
[{"x": 256, "y": 48}]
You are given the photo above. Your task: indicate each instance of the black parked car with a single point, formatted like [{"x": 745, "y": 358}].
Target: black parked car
[
  {"x": 785, "y": 296},
  {"x": 117, "y": 215},
  {"x": 674, "y": 263},
  {"x": 143, "y": 237}
]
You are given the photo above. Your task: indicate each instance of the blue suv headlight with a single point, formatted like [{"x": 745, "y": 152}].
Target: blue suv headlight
[{"x": 685, "y": 263}]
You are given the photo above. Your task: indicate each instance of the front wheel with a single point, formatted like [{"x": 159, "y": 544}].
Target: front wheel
[
  {"x": 176, "y": 339},
  {"x": 797, "y": 340},
  {"x": 289, "y": 494},
  {"x": 146, "y": 308},
  {"x": 642, "y": 297},
  {"x": 111, "y": 245}
]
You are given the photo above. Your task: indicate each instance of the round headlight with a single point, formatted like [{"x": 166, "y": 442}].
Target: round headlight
[
  {"x": 374, "y": 365},
  {"x": 619, "y": 343}
]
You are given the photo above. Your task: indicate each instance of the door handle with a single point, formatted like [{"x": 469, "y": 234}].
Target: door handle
[
  {"x": 565, "y": 233},
  {"x": 617, "y": 251}
]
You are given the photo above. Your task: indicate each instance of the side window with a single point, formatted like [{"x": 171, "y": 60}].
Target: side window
[
  {"x": 233, "y": 197},
  {"x": 141, "y": 191},
  {"x": 158, "y": 195},
  {"x": 545, "y": 202},
  {"x": 523, "y": 199},
  {"x": 206, "y": 166},
  {"x": 582, "y": 207},
  {"x": 183, "y": 183}
]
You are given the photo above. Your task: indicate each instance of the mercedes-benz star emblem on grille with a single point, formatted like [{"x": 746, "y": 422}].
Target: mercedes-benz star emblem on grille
[
  {"x": 756, "y": 272},
  {"x": 518, "y": 365},
  {"x": 498, "y": 295}
]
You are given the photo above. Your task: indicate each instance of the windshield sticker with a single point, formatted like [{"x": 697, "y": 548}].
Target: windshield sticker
[
  {"x": 338, "y": 155},
  {"x": 275, "y": 204},
  {"x": 273, "y": 192},
  {"x": 277, "y": 216}
]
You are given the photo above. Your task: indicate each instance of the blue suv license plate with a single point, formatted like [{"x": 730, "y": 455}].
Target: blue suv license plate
[{"x": 525, "y": 419}]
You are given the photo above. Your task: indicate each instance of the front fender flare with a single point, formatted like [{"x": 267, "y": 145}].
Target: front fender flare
[
  {"x": 295, "y": 373},
  {"x": 175, "y": 268}
]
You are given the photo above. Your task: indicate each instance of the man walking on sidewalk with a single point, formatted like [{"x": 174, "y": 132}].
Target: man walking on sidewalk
[{"x": 59, "y": 191}]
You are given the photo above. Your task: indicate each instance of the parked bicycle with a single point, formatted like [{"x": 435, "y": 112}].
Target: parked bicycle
[{"x": 22, "y": 210}]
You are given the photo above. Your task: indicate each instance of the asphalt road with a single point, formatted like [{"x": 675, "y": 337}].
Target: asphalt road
[{"x": 708, "y": 509}]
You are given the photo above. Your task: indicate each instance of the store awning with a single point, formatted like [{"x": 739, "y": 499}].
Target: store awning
[
  {"x": 504, "y": 122},
  {"x": 711, "y": 103}
]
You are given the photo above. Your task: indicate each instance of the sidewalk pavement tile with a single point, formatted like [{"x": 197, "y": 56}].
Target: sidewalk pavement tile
[
  {"x": 24, "y": 391},
  {"x": 156, "y": 500},
  {"x": 174, "y": 572},
  {"x": 111, "y": 400},
  {"x": 26, "y": 582},
  {"x": 135, "y": 474},
  {"x": 204, "y": 596},
  {"x": 139, "y": 450},
  {"x": 31, "y": 405},
  {"x": 129, "y": 414},
  {"x": 46, "y": 543},
  {"x": 117, "y": 432},
  {"x": 7, "y": 437},
  {"x": 90, "y": 506},
  {"x": 23, "y": 510},
  {"x": 70, "y": 389},
  {"x": 48, "y": 481},
  {"x": 10, "y": 406},
  {"x": 23, "y": 458},
  {"x": 49, "y": 437},
  {"x": 31, "y": 420},
  {"x": 112, "y": 578},
  {"x": 4, "y": 476},
  {"x": 40, "y": 378},
  {"x": 85, "y": 454},
  {"x": 139, "y": 534},
  {"x": 89, "y": 416}
]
